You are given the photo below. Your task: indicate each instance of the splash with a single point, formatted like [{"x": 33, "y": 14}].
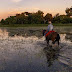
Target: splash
[
  {"x": 29, "y": 51},
  {"x": 3, "y": 33}
]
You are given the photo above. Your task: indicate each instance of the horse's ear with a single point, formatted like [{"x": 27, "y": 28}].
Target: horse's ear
[{"x": 44, "y": 30}]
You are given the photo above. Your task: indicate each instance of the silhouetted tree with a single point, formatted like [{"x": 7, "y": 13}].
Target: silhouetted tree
[
  {"x": 38, "y": 18},
  {"x": 68, "y": 11},
  {"x": 2, "y": 21},
  {"x": 48, "y": 17}
]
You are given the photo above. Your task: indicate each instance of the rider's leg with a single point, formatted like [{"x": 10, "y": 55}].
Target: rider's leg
[{"x": 46, "y": 32}]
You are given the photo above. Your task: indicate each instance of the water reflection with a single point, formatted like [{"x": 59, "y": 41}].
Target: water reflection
[
  {"x": 21, "y": 54},
  {"x": 24, "y": 32},
  {"x": 34, "y": 31},
  {"x": 51, "y": 54}
]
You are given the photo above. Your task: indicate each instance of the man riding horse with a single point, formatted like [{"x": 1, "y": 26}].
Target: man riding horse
[
  {"x": 50, "y": 34},
  {"x": 50, "y": 27}
]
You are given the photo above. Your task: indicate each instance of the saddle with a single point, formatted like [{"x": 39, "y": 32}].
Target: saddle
[{"x": 48, "y": 33}]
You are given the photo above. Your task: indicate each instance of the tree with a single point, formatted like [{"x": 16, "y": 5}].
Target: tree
[
  {"x": 35, "y": 18},
  {"x": 68, "y": 11},
  {"x": 10, "y": 20},
  {"x": 48, "y": 17},
  {"x": 2, "y": 21},
  {"x": 40, "y": 18}
]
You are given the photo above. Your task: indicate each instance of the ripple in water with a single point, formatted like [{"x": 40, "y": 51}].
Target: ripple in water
[{"x": 30, "y": 54}]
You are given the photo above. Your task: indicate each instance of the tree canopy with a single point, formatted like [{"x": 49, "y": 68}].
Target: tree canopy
[{"x": 38, "y": 18}]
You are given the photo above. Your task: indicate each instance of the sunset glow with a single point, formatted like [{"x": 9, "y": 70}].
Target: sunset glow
[{"x": 11, "y": 7}]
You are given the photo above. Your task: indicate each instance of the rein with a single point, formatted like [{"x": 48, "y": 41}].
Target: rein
[{"x": 48, "y": 32}]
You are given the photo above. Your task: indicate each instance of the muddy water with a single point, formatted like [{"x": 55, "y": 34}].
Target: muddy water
[{"x": 25, "y": 50}]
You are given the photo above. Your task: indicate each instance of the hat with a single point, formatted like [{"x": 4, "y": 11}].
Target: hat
[{"x": 49, "y": 22}]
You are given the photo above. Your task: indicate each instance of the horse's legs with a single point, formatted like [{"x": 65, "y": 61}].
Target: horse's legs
[
  {"x": 58, "y": 38},
  {"x": 55, "y": 41},
  {"x": 58, "y": 42},
  {"x": 47, "y": 42}
]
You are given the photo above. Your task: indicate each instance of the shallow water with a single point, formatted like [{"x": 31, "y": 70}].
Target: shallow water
[{"x": 31, "y": 54}]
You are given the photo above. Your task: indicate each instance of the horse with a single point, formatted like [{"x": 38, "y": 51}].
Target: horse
[{"x": 53, "y": 36}]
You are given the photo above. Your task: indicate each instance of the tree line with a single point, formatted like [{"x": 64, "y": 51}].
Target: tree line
[{"x": 38, "y": 18}]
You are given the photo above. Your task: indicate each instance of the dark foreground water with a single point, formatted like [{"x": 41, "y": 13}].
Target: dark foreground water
[{"x": 25, "y": 50}]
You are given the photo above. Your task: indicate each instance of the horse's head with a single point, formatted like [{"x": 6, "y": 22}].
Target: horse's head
[{"x": 43, "y": 32}]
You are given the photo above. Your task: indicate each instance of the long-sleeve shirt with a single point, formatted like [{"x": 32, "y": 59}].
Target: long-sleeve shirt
[{"x": 50, "y": 27}]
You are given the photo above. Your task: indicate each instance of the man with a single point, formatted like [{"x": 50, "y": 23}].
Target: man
[{"x": 50, "y": 27}]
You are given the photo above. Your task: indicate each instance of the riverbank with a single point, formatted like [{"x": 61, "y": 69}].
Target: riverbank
[
  {"x": 36, "y": 30},
  {"x": 33, "y": 25}
]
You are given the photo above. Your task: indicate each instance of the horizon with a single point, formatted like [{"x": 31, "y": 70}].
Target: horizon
[{"x": 12, "y": 7}]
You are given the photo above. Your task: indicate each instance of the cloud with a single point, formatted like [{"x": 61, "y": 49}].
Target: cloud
[{"x": 16, "y": 1}]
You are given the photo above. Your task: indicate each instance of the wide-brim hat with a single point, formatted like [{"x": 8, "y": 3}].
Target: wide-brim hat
[{"x": 49, "y": 22}]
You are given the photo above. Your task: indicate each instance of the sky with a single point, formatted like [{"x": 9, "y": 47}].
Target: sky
[{"x": 12, "y": 7}]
